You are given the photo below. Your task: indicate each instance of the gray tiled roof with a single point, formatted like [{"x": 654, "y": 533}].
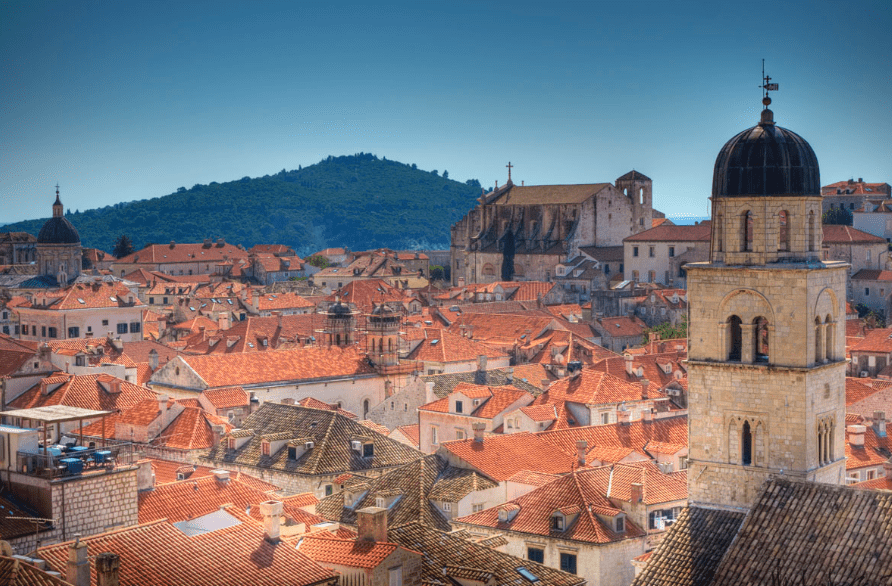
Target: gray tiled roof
[
  {"x": 445, "y": 383},
  {"x": 426, "y": 479},
  {"x": 331, "y": 433},
  {"x": 442, "y": 550}
]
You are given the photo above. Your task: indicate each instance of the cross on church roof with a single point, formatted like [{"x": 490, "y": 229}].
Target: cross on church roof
[
  {"x": 509, "y": 165},
  {"x": 767, "y": 86}
]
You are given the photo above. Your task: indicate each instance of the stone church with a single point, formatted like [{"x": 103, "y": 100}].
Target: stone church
[{"x": 519, "y": 232}]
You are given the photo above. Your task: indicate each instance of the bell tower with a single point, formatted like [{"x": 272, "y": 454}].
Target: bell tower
[{"x": 766, "y": 355}]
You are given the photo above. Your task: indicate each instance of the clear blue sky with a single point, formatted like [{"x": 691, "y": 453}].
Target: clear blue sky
[{"x": 119, "y": 101}]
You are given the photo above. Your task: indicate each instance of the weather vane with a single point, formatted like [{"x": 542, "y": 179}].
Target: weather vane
[{"x": 767, "y": 86}]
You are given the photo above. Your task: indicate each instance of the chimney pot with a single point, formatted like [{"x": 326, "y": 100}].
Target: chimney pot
[
  {"x": 628, "y": 358},
  {"x": 478, "y": 427},
  {"x": 623, "y": 417},
  {"x": 644, "y": 385},
  {"x": 481, "y": 362},
  {"x": 222, "y": 476},
  {"x": 637, "y": 492},
  {"x": 647, "y": 415}
]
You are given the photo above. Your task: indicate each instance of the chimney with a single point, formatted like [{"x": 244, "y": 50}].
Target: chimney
[
  {"x": 879, "y": 423},
  {"x": 628, "y": 359},
  {"x": 887, "y": 466},
  {"x": 623, "y": 416},
  {"x": 77, "y": 570},
  {"x": 153, "y": 359},
  {"x": 581, "y": 449},
  {"x": 637, "y": 492},
  {"x": 108, "y": 567},
  {"x": 653, "y": 336},
  {"x": 162, "y": 404},
  {"x": 429, "y": 391},
  {"x": 371, "y": 524},
  {"x": 222, "y": 476},
  {"x": 509, "y": 376},
  {"x": 478, "y": 427},
  {"x": 217, "y": 431},
  {"x": 272, "y": 513},
  {"x": 856, "y": 435},
  {"x": 145, "y": 476},
  {"x": 647, "y": 415},
  {"x": 644, "y": 384},
  {"x": 481, "y": 362}
]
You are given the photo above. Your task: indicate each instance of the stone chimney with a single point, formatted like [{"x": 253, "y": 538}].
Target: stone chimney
[
  {"x": 429, "y": 391},
  {"x": 637, "y": 492},
  {"x": 478, "y": 427},
  {"x": 644, "y": 384},
  {"x": 509, "y": 376},
  {"x": 623, "y": 416},
  {"x": 581, "y": 449},
  {"x": 145, "y": 476},
  {"x": 647, "y": 415},
  {"x": 481, "y": 362},
  {"x": 108, "y": 568},
  {"x": 217, "y": 431},
  {"x": 162, "y": 405},
  {"x": 371, "y": 524},
  {"x": 77, "y": 569},
  {"x": 879, "y": 423},
  {"x": 272, "y": 513},
  {"x": 222, "y": 476},
  {"x": 628, "y": 358},
  {"x": 153, "y": 359},
  {"x": 887, "y": 466},
  {"x": 856, "y": 435}
]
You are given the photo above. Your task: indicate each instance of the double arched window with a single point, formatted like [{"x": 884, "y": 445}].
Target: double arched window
[{"x": 748, "y": 342}]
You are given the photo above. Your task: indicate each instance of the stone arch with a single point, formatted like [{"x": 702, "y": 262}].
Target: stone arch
[
  {"x": 746, "y": 444},
  {"x": 826, "y": 305},
  {"x": 488, "y": 270},
  {"x": 740, "y": 302},
  {"x": 761, "y": 339},
  {"x": 734, "y": 349}
]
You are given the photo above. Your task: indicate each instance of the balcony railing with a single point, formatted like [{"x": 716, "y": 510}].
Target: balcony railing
[{"x": 59, "y": 462}]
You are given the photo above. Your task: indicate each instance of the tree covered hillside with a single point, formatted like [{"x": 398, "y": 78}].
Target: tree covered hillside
[{"x": 357, "y": 201}]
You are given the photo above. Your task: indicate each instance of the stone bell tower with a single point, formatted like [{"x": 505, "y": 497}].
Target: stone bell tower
[{"x": 766, "y": 368}]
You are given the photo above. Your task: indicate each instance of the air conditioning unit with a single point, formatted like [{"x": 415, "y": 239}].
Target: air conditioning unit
[
  {"x": 864, "y": 374},
  {"x": 309, "y": 445},
  {"x": 356, "y": 445}
]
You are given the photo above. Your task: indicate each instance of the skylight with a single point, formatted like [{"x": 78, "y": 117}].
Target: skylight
[
  {"x": 219, "y": 519},
  {"x": 81, "y": 301},
  {"x": 113, "y": 298},
  {"x": 527, "y": 574},
  {"x": 433, "y": 342}
]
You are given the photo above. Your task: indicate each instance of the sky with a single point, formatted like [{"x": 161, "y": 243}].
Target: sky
[{"x": 120, "y": 101}]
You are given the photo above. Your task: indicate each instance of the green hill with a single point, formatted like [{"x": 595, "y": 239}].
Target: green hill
[{"x": 357, "y": 201}]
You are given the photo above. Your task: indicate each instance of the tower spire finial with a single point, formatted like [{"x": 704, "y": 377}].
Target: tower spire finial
[
  {"x": 509, "y": 165},
  {"x": 767, "y": 86}
]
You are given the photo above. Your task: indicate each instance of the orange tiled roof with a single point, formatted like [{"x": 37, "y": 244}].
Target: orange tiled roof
[
  {"x": 671, "y": 233},
  {"x": 872, "y": 275},
  {"x": 288, "y": 300},
  {"x": 839, "y": 234},
  {"x": 856, "y": 188},
  {"x": 227, "y": 397},
  {"x": 191, "y": 430},
  {"x": 621, "y": 327},
  {"x": 593, "y": 387},
  {"x": 84, "y": 391},
  {"x": 346, "y": 552},
  {"x": 166, "y": 471},
  {"x": 301, "y": 364},
  {"x": 441, "y": 345},
  {"x": 376, "y": 426},
  {"x": 188, "y": 499},
  {"x": 578, "y": 493},
  {"x": 159, "y": 553},
  {"x": 412, "y": 432},
  {"x": 878, "y": 340},
  {"x": 317, "y": 404},
  {"x": 96, "y": 295},
  {"x": 876, "y": 450},
  {"x": 188, "y": 252}
]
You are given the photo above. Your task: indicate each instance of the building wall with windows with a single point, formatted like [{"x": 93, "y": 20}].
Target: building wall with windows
[{"x": 49, "y": 324}]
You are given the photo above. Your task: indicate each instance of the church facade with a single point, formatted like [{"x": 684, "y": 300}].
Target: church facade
[{"x": 519, "y": 232}]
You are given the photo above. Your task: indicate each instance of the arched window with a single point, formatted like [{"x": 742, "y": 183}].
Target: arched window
[
  {"x": 365, "y": 408},
  {"x": 819, "y": 353},
  {"x": 760, "y": 339},
  {"x": 389, "y": 344},
  {"x": 641, "y": 196},
  {"x": 828, "y": 338},
  {"x": 735, "y": 339},
  {"x": 783, "y": 231},
  {"x": 488, "y": 270},
  {"x": 747, "y": 232},
  {"x": 338, "y": 339},
  {"x": 746, "y": 445},
  {"x": 812, "y": 236}
]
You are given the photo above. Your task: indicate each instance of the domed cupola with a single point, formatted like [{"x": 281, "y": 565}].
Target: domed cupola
[
  {"x": 766, "y": 160},
  {"x": 58, "y": 230},
  {"x": 766, "y": 197}
]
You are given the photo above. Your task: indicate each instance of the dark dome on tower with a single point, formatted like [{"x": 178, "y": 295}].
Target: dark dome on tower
[
  {"x": 58, "y": 231},
  {"x": 766, "y": 160}
]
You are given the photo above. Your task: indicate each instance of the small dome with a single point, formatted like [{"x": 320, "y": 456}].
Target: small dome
[
  {"x": 766, "y": 160},
  {"x": 58, "y": 230},
  {"x": 339, "y": 309}
]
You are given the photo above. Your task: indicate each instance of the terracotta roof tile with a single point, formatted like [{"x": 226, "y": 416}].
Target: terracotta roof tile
[
  {"x": 439, "y": 345},
  {"x": 672, "y": 233},
  {"x": 84, "y": 391},
  {"x": 346, "y": 552},
  {"x": 839, "y": 234},
  {"x": 227, "y": 397}
]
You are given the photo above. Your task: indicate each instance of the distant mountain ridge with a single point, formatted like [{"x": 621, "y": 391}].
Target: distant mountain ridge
[{"x": 358, "y": 201}]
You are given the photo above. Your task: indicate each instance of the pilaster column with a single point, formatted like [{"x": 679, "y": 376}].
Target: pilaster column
[
  {"x": 820, "y": 350},
  {"x": 747, "y": 343}
]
